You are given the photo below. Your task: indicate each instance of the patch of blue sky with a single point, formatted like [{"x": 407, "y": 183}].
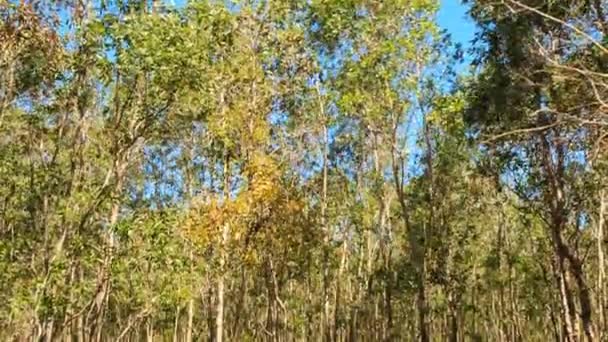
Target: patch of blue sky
[{"x": 453, "y": 18}]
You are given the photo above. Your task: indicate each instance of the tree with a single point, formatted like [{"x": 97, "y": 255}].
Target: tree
[{"x": 541, "y": 125}]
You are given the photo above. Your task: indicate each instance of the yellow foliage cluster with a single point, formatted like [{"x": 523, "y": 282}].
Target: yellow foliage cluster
[
  {"x": 264, "y": 178},
  {"x": 263, "y": 208}
]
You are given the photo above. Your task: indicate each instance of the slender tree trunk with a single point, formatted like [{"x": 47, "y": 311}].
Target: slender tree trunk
[
  {"x": 270, "y": 312},
  {"x": 219, "y": 315},
  {"x": 338, "y": 290},
  {"x": 388, "y": 298},
  {"x": 326, "y": 330},
  {"x": 309, "y": 318},
  {"x": 358, "y": 289},
  {"x": 554, "y": 324},
  {"x": 568, "y": 262},
  {"x": 104, "y": 282},
  {"x": 190, "y": 307},
  {"x": 453, "y": 322},
  {"x": 189, "y": 194},
  {"x": 601, "y": 289},
  {"x": 208, "y": 297},
  {"x": 149, "y": 331},
  {"x": 80, "y": 321},
  {"x": 584, "y": 296},
  {"x": 241, "y": 305},
  {"x": 219, "y": 318},
  {"x": 422, "y": 303},
  {"x": 176, "y": 324},
  {"x": 567, "y": 309}
]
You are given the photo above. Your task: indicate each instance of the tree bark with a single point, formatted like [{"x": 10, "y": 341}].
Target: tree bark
[
  {"x": 326, "y": 330},
  {"x": 601, "y": 289},
  {"x": 219, "y": 318},
  {"x": 568, "y": 263},
  {"x": 176, "y": 324},
  {"x": 422, "y": 304},
  {"x": 188, "y": 192}
]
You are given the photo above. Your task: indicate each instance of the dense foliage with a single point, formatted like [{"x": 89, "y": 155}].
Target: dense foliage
[{"x": 302, "y": 170}]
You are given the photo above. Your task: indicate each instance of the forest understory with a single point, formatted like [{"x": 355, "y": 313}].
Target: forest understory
[{"x": 303, "y": 170}]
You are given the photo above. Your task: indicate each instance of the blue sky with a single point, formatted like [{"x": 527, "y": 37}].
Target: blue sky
[{"x": 453, "y": 17}]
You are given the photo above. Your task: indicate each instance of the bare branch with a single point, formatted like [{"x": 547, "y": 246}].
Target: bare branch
[
  {"x": 520, "y": 131},
  {"x": 560, "y": 21}
]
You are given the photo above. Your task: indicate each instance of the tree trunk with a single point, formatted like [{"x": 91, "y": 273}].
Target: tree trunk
[
  {"x": 219, "y": 318},
  {"x": 452, "y": 318},
  {"x": 326, "y": 330},
  {"x": 338, "y": 290},
  {"x": 188, "y": 192},
  {"x": 149, "y": 331},
  {"x": 176, "y": 324},
  {"x": 601, "y": 290},
  {"x": 422, "y": 304},
  {"x": 208, "y": 297},
  {"x": 190, "y": 309},
  {"x": 568, "y": 262}
]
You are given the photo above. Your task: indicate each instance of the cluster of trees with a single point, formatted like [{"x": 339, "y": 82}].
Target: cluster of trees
[{"x": 302, "y": 170}]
